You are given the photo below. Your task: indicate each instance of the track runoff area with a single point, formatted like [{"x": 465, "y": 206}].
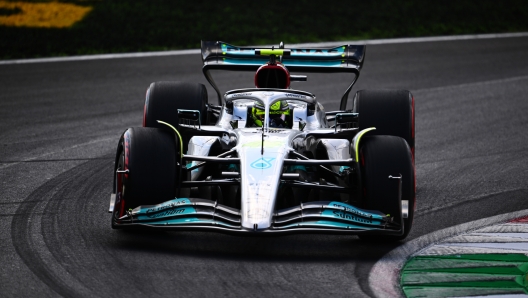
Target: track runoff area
[
  {"x": 490, "y": 261},
  {"x": 483, "y": 258}
]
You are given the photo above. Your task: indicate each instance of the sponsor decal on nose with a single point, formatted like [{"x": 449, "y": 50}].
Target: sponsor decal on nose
[{"x": 262, "y": 163}]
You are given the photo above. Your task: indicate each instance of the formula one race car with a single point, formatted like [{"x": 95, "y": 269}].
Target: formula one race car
[{"x": 269, "y": 160}]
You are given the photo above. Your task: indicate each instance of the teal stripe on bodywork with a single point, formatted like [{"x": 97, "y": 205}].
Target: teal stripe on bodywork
[
  {"x": 162, "y": 206},
  {"x": 363, "y": 213},
  {"x": 189, "y": 221},
  {"x": 357, "y": 218},
  {"x": 167, "y": 213},
  {"x": 343, "y": 168},
  {"x": 304, "y": 53},
  {"x": 332, "y": 53},
  {"x": 342, "y": 215},
  {"x": 234, "y": 61},
  {"x": 329, "y": 224},
  {"x": 176, "y": 207},
  {"x": 296, "y": 167}
]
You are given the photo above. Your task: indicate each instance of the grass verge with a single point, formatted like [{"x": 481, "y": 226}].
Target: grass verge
[{"x": 151, "y": 25}]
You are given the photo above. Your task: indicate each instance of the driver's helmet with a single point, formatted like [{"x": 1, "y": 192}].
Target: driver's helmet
[{"x": 279, "y": 112}]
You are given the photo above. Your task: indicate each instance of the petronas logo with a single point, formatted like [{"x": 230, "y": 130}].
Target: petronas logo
[{"x": 262, "y": 163}]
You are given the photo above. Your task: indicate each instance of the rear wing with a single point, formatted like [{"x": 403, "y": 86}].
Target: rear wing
[{"x": 218, "y": 55}]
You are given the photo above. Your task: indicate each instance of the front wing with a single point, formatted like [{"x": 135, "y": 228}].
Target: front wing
[{"x": 313, "y": 217}]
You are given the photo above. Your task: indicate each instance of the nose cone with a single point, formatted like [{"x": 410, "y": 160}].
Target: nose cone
[
  {"x": 259, "y": 203},
  {"x": 260, "y": 177}
]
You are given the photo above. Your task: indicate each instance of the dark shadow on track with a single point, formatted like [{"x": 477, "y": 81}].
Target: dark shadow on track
[{"x": 80, "y": 251}]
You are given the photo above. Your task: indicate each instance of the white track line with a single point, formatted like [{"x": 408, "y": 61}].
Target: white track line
[{"x": 300, "y": 45}]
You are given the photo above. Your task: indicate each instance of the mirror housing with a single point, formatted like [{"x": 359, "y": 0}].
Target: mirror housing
[
  {"x": 193, "y": 115},
  {"x": 344, "y": 118}
]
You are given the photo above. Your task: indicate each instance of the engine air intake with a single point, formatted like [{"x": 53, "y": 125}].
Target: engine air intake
[{"x": 272, "y": 76}]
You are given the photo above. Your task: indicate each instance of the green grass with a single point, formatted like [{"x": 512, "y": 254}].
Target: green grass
[{"x": 152, "y": 25}]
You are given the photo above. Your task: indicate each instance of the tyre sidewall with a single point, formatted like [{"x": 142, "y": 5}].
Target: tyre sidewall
[{"x": 381, "y": 156}]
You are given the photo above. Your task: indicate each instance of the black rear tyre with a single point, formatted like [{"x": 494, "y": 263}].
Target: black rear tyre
[
  {"x": 390, "y": 111},
  {"x": 165, "y": 98},
  {"x": 150, "y": 156},
  {"x": 381, "y": 156}
]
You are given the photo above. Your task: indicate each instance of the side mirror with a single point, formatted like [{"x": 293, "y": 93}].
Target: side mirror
[
  {"x": 193, "y": 115},
  {"x": 344, "y": 118}
]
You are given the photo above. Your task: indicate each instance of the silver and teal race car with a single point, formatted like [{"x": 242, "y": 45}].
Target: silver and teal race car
[{"x": 269, "y": 159}]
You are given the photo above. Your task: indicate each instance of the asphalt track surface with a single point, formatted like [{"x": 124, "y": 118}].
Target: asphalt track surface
[{"x": 60, "y": 123}]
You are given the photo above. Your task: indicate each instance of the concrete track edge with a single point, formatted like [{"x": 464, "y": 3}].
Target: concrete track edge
[
  {"x": 300, "y": 45},
  {"x": 384, "y": 277}
]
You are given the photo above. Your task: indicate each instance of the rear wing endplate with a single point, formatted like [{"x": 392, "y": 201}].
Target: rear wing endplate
[{"x": 218, "y": 55}]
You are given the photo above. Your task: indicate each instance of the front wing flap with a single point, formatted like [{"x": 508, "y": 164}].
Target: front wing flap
[{"x": 312, "y": 217}]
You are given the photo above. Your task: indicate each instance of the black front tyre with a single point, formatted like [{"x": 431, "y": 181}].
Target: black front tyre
[
  {"x": 381, "y": 157},
  {"x": 146, "y": 168}
]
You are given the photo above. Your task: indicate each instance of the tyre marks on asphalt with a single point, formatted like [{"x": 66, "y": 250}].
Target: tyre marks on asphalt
[
  {"x": 35, "y": 234},
  {"x": 488, "y": 261},
  {"x": 62, "y": 233}
]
